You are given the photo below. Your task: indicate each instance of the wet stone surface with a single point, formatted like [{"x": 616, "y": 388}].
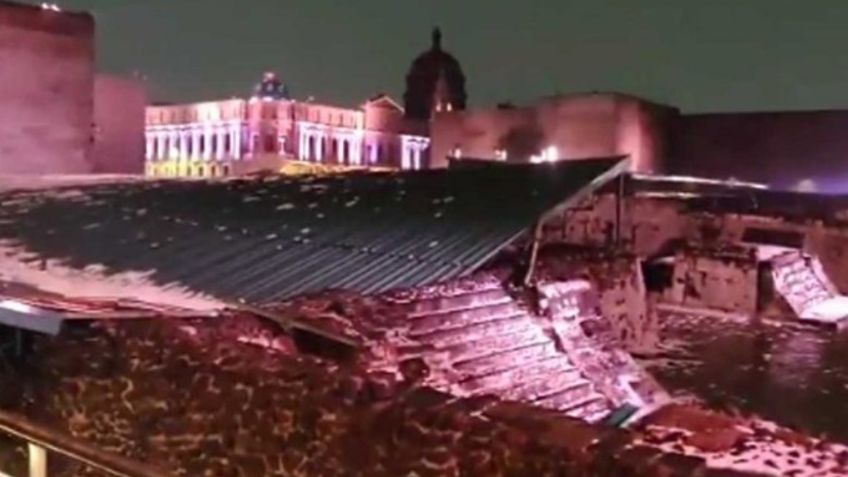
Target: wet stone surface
[{"x": 794, "y": 375}]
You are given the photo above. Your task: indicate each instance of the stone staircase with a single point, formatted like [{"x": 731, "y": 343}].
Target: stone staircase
[
  {"x": 807, "y": 290},
  {"x": 484, "y": 342}
]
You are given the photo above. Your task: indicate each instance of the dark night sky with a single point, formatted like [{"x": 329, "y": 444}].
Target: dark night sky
[{"x": 700, "y": 55}]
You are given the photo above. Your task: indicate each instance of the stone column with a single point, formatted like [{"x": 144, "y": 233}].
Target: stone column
[
  {"x": 220, "y": 143},
  {"x": 251, "y": 144},
  {"x": 161, "y": 152},
  {"x": 356, "y": 151},
  {"x": 419, "y": 150},
  {"x": 207, "y": 143},
  {"x": 236, "y": 141},
  {"x": 173, "y": 144},
  {"x": 319, "y": 147},
  {"x": 195, "y": 143},
  {"x": 148, "y": 146},
  {"x": 303, "y": 144},
  {"x": 184, "y": 151},
  {"x": 404, "y": 155}
]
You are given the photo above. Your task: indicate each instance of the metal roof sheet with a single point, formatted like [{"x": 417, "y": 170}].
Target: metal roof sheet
[{"x": 266, "y": 239}]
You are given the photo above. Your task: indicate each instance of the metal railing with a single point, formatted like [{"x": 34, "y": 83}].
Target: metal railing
[{"x": 41, "y": 439}]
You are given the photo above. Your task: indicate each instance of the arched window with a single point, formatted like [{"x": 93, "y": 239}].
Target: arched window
[
  {"x": 345, "y": 155},
  {"x": 310, "y": 148},
  {"x": 226, "y": 170}
]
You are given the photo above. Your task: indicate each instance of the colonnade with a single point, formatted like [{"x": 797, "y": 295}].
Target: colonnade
[{"x": 197, "y": 141}]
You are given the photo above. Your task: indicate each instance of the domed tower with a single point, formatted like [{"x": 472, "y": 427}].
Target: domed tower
[
  {"x": 271, "y": 88},
  {"x": 435, "y": 82}
]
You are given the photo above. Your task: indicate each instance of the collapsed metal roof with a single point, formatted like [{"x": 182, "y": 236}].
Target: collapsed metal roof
[{"x": 264, "y": 239}]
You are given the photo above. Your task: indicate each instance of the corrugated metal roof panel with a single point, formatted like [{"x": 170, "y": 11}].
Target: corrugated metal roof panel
[{"x": 266, "y": 239}]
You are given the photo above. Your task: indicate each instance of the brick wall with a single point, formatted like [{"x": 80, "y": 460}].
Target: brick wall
[{"x": 46, "y": 101}]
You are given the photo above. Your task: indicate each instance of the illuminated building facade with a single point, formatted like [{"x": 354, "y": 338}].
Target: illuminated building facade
[{"x": 269, "y": 130}]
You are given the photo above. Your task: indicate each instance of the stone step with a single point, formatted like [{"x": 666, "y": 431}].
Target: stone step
[
  {"x": 480, "y": 347},
  {"x": 465, "y": 300},
  {"x": 545, "y": 386},
  {"x": 499, "y": 380},
  {"x": 595, "y": 412},
  {"x": 569, "y": 398},
  {"x": 506, "y": 360},
  {"x": 509, "y": 325},
  {"x": 592, "y": 409},
  {"x": 451, "y": 318}
]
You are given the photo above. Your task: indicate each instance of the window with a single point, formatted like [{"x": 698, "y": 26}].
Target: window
[
  {"x": 310, "y": 148},
  {"x": 345, "y": 151},
  {"x": 269, "y": 143}
]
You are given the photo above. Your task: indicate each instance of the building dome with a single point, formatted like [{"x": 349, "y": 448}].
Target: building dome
[
  {"x": 271, "y": 88},
  {"x": 435, "y": 82}
]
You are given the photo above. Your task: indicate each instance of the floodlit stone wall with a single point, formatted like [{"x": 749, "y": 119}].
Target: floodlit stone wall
[
  {"x": 570, "y": 127},
  {"x": 46, "y": 90},
  {"x": 646, "y": 226},
  {"x": 119, "y": 125}
]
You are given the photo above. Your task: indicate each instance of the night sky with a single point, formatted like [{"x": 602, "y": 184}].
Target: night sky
[{"x": 700, "y": 55}]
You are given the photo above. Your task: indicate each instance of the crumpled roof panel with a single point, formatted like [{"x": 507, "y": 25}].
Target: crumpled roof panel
[{"x": 265, "y": 239}]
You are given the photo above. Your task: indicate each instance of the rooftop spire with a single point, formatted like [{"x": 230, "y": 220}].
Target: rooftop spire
[{"x": 437, "y": 38}]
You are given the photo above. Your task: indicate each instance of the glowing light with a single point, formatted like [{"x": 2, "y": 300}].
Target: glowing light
[
  {"x": 549, "y": 154},
  {"x": 50, "y": 6},
  {"x": 806, "y": 185},
  {"x": 17, "y": 306},
  {"x": 501, "y": 154}
]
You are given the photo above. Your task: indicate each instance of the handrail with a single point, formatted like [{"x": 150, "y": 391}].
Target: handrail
[{"x": 40, "y": 438}]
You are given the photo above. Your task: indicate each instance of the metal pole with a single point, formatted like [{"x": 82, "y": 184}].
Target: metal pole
[
  {"x": 37, "y": 460},
  {"x": 619, "y": 196}
]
